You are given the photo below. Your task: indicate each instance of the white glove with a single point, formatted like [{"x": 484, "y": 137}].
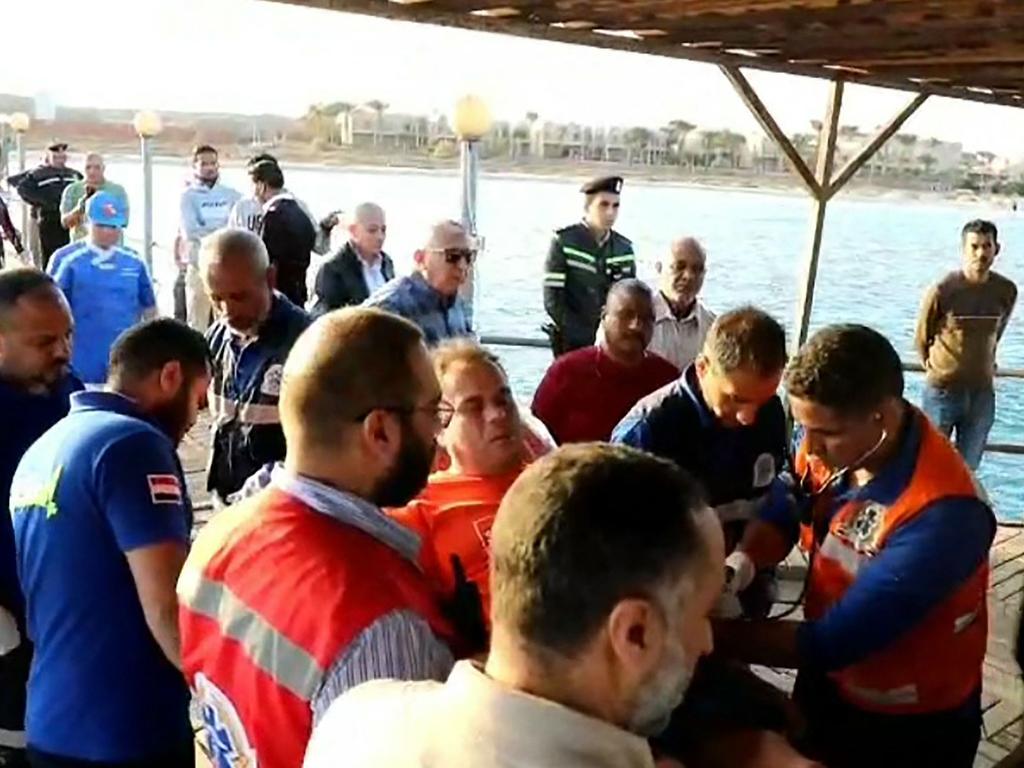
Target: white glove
[
  {"x": 740, "y": 572},
  {"x": 10, "y": 637}
]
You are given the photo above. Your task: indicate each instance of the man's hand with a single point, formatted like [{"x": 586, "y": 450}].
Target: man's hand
[
  {"x": 739, "y": 573},
  {"x": 10, "y": 637}
]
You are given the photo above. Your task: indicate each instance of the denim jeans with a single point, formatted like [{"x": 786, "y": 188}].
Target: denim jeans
[{"x": 970, "y": 412}]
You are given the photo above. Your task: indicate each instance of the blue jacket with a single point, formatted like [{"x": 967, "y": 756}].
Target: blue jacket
[
  {"x": 413, "y": 298},
  {"x": 244, "y": 393}
]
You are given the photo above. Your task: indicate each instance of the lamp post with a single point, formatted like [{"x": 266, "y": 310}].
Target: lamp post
[
  {"x": 147, "y": 125},
  {"x": 5, "y": 120},
  {"x": 20, "y": 123},
  {"x": 472, "y": 120}
]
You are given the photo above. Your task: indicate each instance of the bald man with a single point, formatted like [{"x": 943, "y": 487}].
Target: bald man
[
  {"x": 360, "y": 267},
  {"x": 681, "y": 321},
  {"x": 308, "y": 589},
  {"x": 73, "y": 201},
  {"x": 586, "y": 392},
  {"x": 253, "y": 334},
  {"x": 429, "y": 297}
]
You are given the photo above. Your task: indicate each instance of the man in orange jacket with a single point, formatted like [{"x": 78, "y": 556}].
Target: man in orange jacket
[
  {"x": 484, "y": 439},
  {"x": 891, "y": 648}
]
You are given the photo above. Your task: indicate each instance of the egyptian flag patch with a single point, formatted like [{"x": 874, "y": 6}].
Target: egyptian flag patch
[{"x": 164, "y": 489}]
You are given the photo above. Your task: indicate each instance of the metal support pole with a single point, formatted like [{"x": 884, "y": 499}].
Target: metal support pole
[
  {"x": 826, "y": 162},
  {"x": 3, "y": 149},
  {"x": 147, "y": 201},
  {"x": 469, "y": 172}
]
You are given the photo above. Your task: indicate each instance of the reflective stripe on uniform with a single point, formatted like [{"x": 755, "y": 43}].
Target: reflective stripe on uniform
[
  {"x": 554, "y": 278},
  {"x": 903, "y": 696},
  {"x": 271, "y": 651},
  {"x": 225, "y": 410},
  {"x": 620, "y": 259},
  {"x": 849, "y": 559},
  {"x": 569, "y": 251},
  {"x": 580, "y": 265}
]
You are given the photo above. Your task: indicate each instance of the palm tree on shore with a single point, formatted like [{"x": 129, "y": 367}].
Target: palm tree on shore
[{"x": 378, "y": 127}]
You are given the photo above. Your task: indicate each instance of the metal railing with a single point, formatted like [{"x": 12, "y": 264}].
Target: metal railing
[{"x": 1014, "y": 449}]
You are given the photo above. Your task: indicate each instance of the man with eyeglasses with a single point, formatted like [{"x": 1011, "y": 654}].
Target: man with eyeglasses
[
  {"x": 485, "y": 438},
  {"x": 250, "y": 340},
  {"x": 308, "y": 589},
  {"x": 584, "y": 260},
  {"x": 429, "y": 297}
]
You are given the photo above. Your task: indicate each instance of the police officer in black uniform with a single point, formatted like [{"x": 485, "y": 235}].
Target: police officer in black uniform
[
  {"x": 583, "y": 262},
  {"x": 42, "y": 188}
]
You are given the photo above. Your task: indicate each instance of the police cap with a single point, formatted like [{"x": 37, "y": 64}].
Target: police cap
[
  {"x": 58, "y": 146},
  {"x": 611, "y": 184}
]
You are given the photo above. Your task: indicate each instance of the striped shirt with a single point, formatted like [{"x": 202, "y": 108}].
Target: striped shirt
[
  {"x": 400, "y": 645},
  {"x": 412, "y": 297}
]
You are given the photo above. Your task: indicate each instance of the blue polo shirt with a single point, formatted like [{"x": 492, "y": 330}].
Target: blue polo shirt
[
  {"x": 412, "y": 297},
  {"x": 101, "y": 482},
  {"x": 26, "y": 417},
  {"x": 108, "y": 291}
]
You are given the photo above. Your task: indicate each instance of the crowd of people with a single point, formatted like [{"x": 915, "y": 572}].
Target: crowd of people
[{"x": 405, "y": 568}]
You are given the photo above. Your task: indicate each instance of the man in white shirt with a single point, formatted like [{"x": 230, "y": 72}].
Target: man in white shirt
[
  {"x": 681, "y": 321},
  {"x": 598, "y": 619}
]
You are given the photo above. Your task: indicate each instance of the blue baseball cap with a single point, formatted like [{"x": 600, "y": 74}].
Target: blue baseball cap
[{"x": 107, "y": 210}]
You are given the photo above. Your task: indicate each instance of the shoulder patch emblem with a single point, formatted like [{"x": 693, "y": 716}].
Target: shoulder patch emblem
[{"x": 271, "y": 384}]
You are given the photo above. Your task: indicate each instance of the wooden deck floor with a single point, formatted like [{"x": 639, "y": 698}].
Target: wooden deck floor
[{"x": 1003, "y": 696}]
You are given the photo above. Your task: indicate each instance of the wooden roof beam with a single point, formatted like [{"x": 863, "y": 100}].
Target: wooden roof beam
[
  {"x": 877, "y": 142},
  {"x": 771, "y": 127}
]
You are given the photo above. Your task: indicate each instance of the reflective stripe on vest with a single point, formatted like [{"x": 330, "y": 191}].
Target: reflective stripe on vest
[
  {"x": 581, "y": 265},
  {"x": 271, "y": 651},
  {"x": 848, "y": 558},
  {"x": 903, "y": 696},
  {"x": 225, "y": 410},
  {"x": 554, "y": 279},
  {"x": 620, "y": 259},
  {"x": 570, "y": 251}
]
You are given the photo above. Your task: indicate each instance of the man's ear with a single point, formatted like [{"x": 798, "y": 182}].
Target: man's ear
[
  {"x": 171, "y": 378},
  {"x": 381, "y": 434},
  {"x": 636, "y": 635},
  {"x": 272, "y": 277},
  {"x": 657, "y": 267},
  {"x": 419, "y": 257},
  {"x": 997, "y": 249},
  {"x": 702, "y": 365}
]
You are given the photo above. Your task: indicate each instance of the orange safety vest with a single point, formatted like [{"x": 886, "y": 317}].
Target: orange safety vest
[
  {"x": 271, "y": 594},
  {"x": 453, "y": 516},
  {"x": 937, "y": 665}
]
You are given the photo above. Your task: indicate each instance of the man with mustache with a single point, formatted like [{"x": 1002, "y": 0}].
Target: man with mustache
[
  {"x": 586, "y": 392},
  {"x": 102, "y": 521},
  {"x": 681, "y": 321},
  {"x": 962, "y": 319},
  {"x": 255, "y": 329},
  {"x": 308, "y": 589},
  {"x": 35, "y": 390},
  {"x": 599, "y": 618}
]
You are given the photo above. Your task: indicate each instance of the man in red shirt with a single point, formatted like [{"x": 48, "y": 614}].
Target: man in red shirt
[{"x": 586, "y": 393}]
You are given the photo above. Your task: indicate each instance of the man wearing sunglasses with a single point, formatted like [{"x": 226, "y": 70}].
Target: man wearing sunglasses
[
  {"x": 429, "y": 297},
  {"x": 584, "y": 260},
  {"x": 306, "y": 590}
]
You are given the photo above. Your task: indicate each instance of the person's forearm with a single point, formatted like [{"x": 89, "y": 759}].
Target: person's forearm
[
  {"x": 163, "y": 625},
  {"x": 768, "y": 643},
  {"x": 764, "y": 544}
]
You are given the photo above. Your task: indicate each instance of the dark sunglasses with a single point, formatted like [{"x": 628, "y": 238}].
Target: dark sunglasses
[{"x": 455, "y": 255}]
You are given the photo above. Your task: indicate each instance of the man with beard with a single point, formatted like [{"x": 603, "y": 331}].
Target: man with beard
[
  {"x": 101, "y": 521},
  {"x": 308, "y": 589},
  {"x": 586, "y": 392},
  {"x": 255, "y": 330},
  {"x": 599, "y": 617},
  {"x": 205, "y": 207},
  {"x": 35, "y": 388}
]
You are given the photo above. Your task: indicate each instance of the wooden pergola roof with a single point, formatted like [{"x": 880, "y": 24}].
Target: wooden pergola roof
[{"x": 967, "y": 49}]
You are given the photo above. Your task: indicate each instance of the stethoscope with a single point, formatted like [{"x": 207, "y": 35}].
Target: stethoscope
[{"x": 813, "y": 520}]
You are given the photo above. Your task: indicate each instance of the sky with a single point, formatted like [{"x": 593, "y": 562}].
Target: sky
[{"x": 250, "y": 56}]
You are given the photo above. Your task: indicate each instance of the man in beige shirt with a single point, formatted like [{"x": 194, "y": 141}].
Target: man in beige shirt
[
  {"x": 962, "y": 319},
  {"x": 681, "y": 321},
  {"x": 598, "y": 620}
]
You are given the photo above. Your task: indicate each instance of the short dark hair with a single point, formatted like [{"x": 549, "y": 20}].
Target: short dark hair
[
  {"x": 747, "y": 338},
  {"x": 204, "y": 149},
  {"x": 18, "y": 283},
  {"x": 570, "y": 541},
  {"x": 630, "y": 286},
  {"x": 349, "y": 362},
  {"x": 149, "y": 346},
  {"x": 850, "y": 368},
  {"x": 260, "y": 159},
  {"x": 267, "y": 173},
  {"x": 980, "y": 227}
]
